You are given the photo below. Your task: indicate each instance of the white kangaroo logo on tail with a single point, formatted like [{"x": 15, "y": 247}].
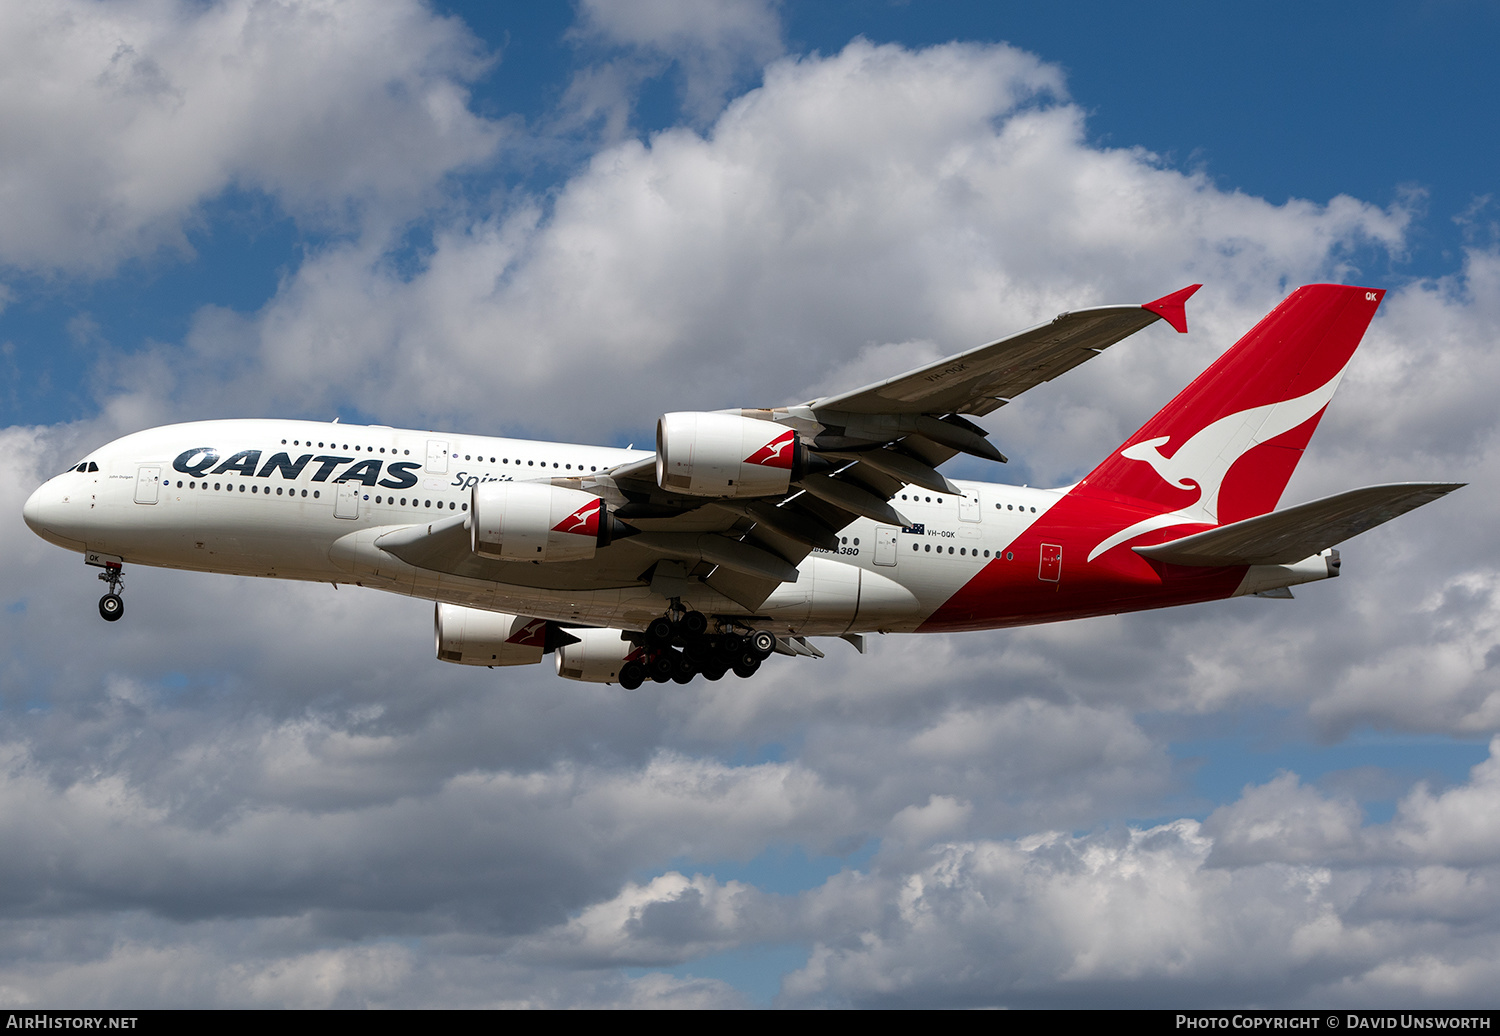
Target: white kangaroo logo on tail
[{"x": 1206, "y": 458}]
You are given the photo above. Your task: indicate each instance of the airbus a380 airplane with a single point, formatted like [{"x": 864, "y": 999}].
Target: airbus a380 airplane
[{"x": 748, "y": 531}]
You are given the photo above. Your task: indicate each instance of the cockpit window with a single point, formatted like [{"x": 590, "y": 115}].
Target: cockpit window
[{"x": 93, "y": 466}]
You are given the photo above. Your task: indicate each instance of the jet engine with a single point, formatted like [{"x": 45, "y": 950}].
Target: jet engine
[
  {"x": 705, "y": 454},
  {"x": 597, "y": 657},
  {"x": 473, "y": 636},
  {"x": 532, "y": 521}
]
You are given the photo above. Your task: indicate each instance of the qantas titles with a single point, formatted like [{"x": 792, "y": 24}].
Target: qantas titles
[{"x": 201, "y": 461}]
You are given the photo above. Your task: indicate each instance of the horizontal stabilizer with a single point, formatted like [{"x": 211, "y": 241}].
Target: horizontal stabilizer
[{"x": 1284, "y": 537}]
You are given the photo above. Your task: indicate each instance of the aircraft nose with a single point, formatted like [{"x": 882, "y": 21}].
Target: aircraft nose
[
  {"x": 47, "y": 513},
  {"x": 35, "y": 509}
]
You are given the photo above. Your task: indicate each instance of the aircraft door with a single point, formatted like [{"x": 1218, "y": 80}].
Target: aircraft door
[
  {"x": 1051, "y": 569},
  {"x": 346, "y": 500},
  {"x": 968, "y": 506},
  {"x": 437, "y": 457},
  {"x": 885, "y": 544},
  {"x": 147, "y": 484}
]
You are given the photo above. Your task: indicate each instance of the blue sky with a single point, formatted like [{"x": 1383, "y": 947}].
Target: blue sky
[{"x": 513, "y": 219}]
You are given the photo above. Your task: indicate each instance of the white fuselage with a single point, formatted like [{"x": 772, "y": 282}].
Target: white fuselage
[{"x": 305, "y": 500}]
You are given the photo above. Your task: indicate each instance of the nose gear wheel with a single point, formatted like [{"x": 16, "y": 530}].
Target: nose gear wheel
[{"x": 112, "y": 605}]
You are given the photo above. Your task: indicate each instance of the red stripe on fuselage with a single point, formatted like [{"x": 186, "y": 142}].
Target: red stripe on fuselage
[{"x": 1012, "y": 593}]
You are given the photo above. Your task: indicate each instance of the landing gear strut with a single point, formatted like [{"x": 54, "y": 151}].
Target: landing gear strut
[
  {"x": 678, "y": 647},
  {"x": 112, "y": 605}
]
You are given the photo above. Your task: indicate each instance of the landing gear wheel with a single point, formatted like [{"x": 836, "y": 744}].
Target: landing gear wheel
[
  {"x": 763, "y": 642},
  {"x": 111, "y": 605},
  {"x": 715, "y": 671},
  {"x": 664, "y": 666},
  {"x": 685, "y": 669},
  {"x": 746, "y": 667},
  {"x": 694, "y": 624},
  {"x": 632, "y": 675},
  {"x": 660, "y": 630}
]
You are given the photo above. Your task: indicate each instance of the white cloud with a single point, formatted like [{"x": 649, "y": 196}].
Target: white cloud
[
  {"x": 865, "y": 198},
  {"x": 1253, "y": 907},
  {"x": 120, "y": 121}
]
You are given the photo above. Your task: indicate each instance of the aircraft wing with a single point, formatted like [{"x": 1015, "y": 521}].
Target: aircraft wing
[
  {"x": 983, "y": 379},
  {"x": 870, "y": 443}
]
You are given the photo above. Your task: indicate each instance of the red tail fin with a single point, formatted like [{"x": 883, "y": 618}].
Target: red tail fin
[{"x": 1226, "y": 446}]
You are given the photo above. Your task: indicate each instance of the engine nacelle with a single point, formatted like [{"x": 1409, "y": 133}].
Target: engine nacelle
[
  {"x": 597, "y": 657},
  {"x": 532, "y": 521},
  {"x": 705, "y": 454},
  {"x": 472, "y": 636}
]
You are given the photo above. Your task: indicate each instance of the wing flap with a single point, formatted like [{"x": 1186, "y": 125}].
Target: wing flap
[{"x": 1290, "y": 535}]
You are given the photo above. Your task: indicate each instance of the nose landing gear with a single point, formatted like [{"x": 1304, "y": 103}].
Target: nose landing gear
[{"x": 112, "y": 605}]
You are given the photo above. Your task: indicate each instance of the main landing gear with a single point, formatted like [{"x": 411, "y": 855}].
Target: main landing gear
[
  {"x": 112, "y": 605},
  {"x": 679, "y": 647}
]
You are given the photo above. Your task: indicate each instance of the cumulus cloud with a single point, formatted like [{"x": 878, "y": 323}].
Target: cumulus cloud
[
  {"x": 121, "y": 121},
  {"x": 1264, "y": 903},
  {"x": 850, "y": 202}
]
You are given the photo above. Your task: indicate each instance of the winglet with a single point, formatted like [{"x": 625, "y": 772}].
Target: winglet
[{"x": 1173, "y": 308}]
